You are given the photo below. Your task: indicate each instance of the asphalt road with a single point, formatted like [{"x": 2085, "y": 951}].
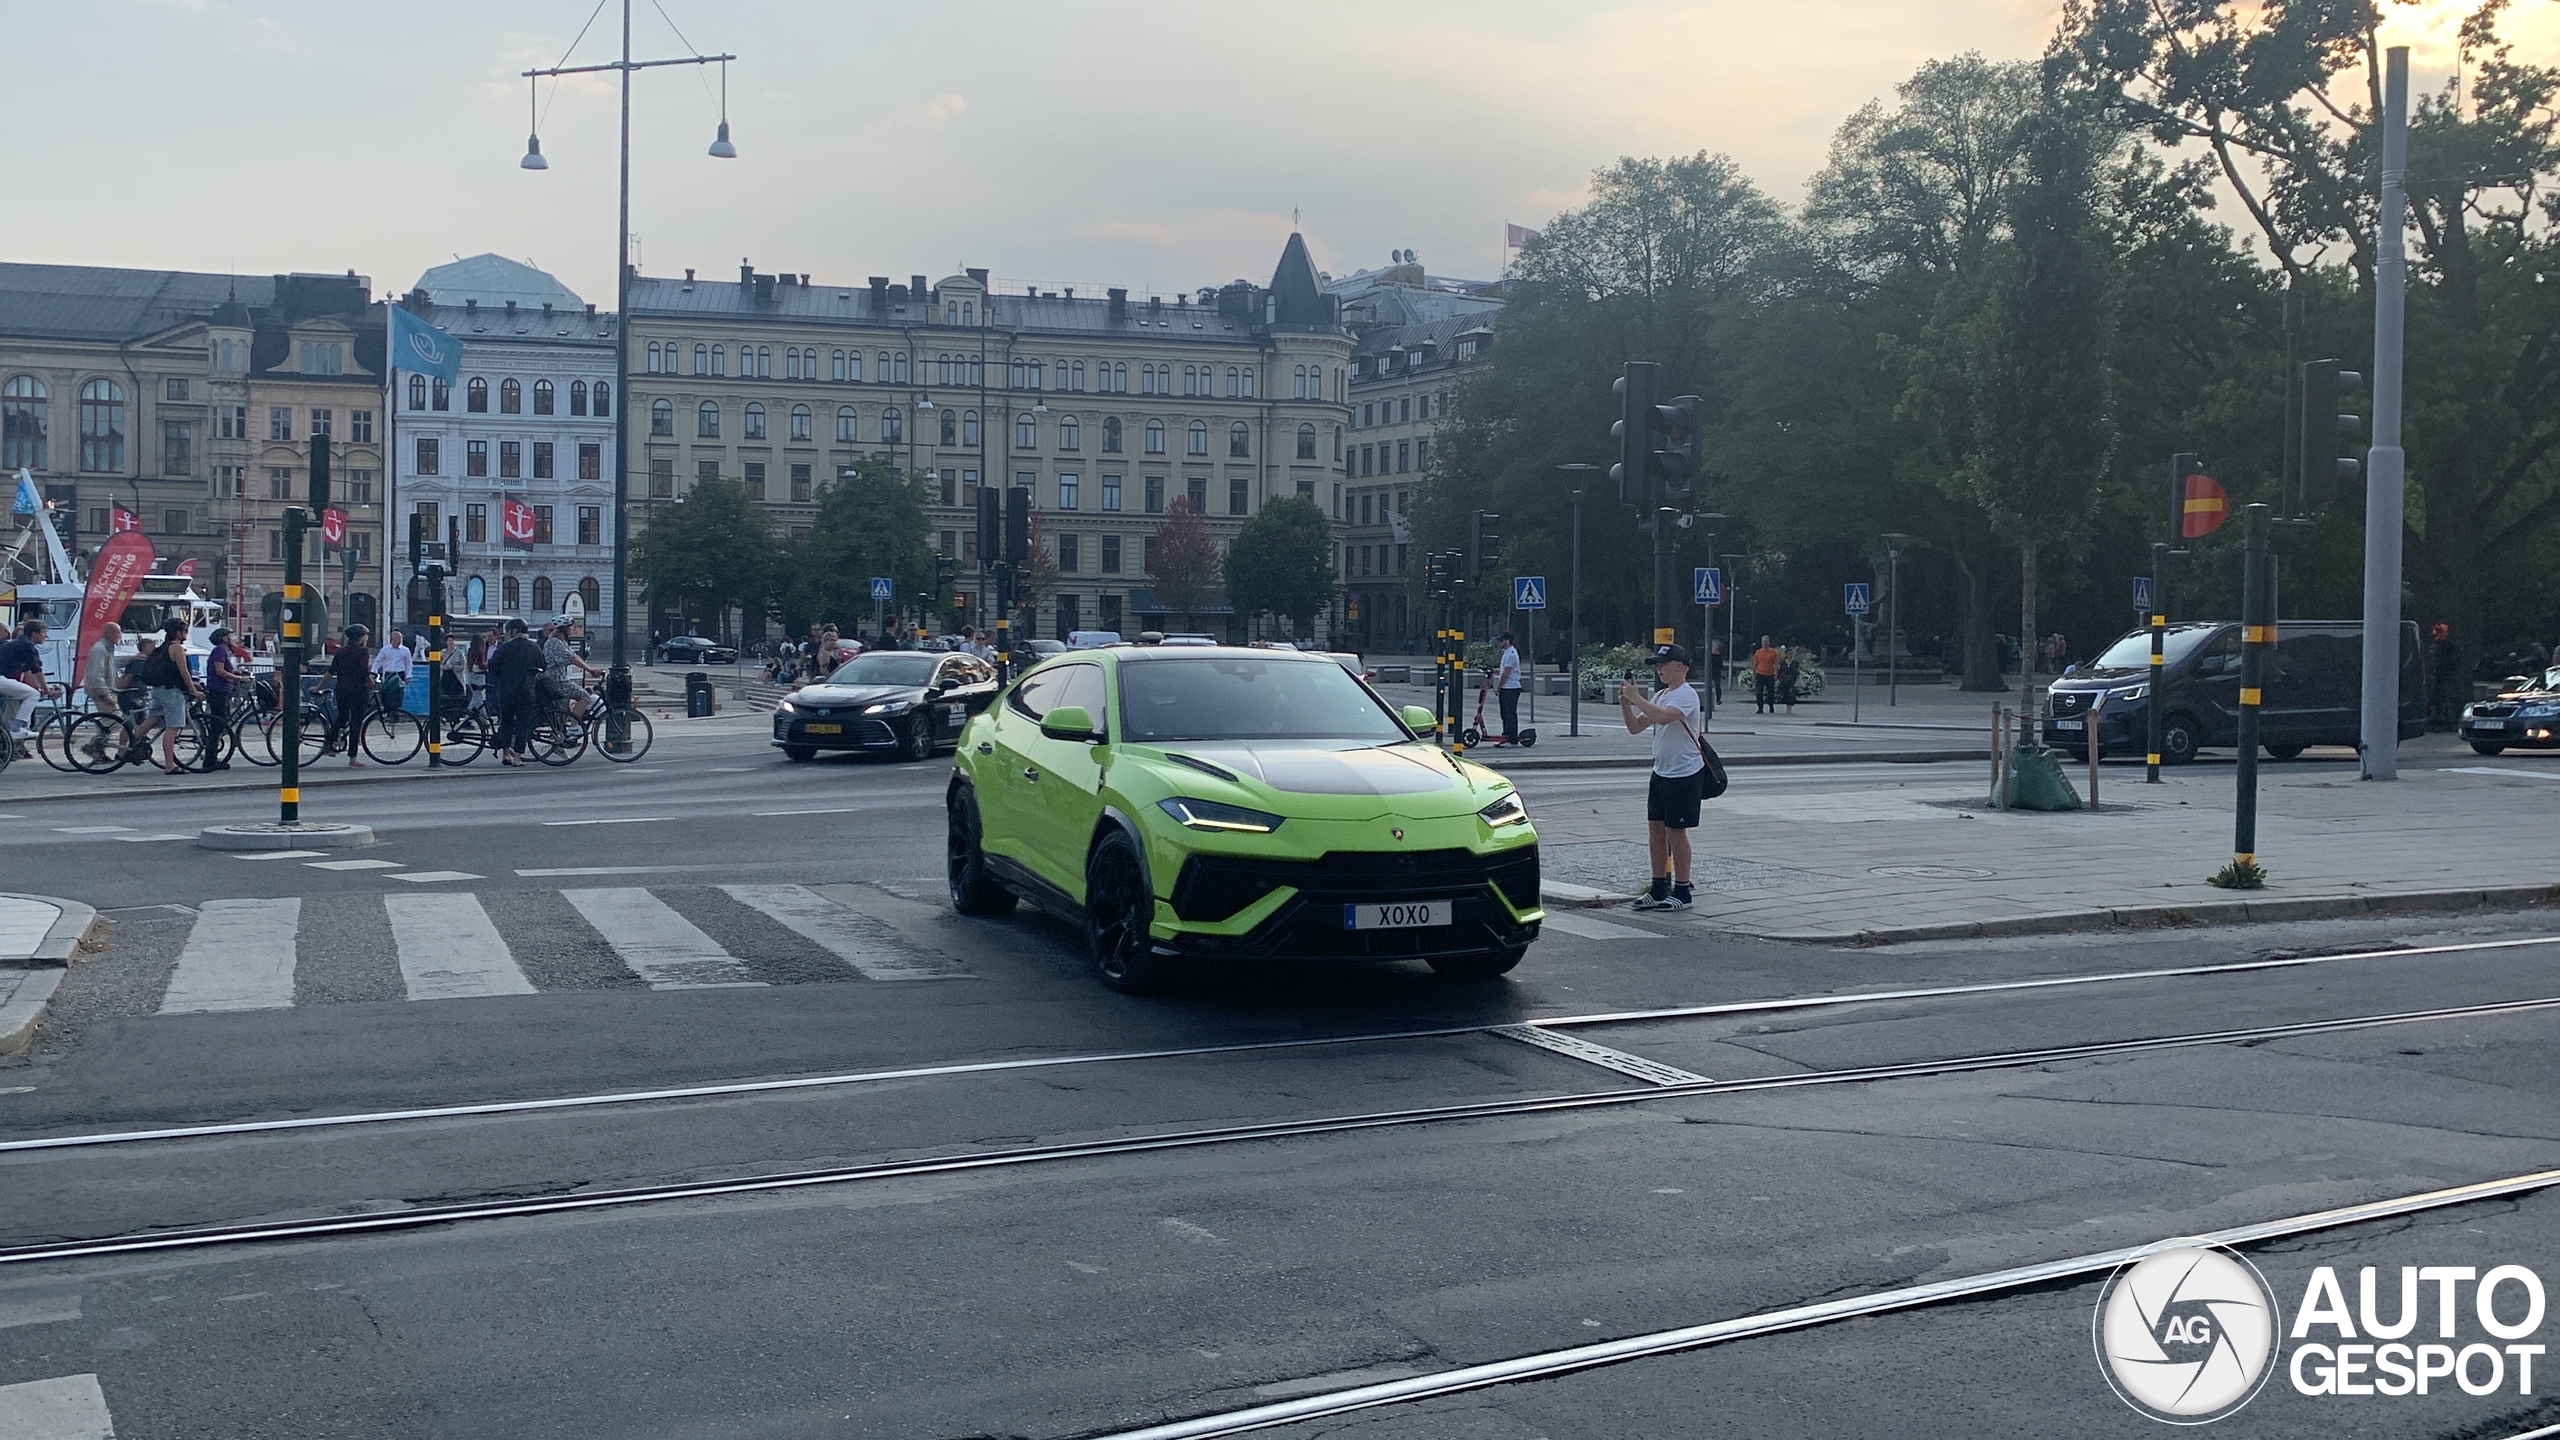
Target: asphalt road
[{"x": 1067, "y": 1294}]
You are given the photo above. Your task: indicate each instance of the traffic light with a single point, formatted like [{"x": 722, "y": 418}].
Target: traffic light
[
  {"x": 319, "y": 476},
  {"x": 1633, "y": 430},
  {"x": 944, "y": 568},
  {"x": 1678, "y": 457},
  {"x": 1017, "y": 525},
  {"x": 1440, "y": 573},
  {"x": 1484, "y": 548},
  {"x": 2326, "y": 429},
  {"x": 990, "y": 525}
]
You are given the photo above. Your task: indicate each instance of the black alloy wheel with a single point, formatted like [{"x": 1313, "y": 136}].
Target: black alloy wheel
[
  {"x": 1117, "y": 910},
  {"x": 973, "y": 890},
  {"x": 2285, "y": 752},
  {"x": 2180, "y": 738},
  {"x": 1492, "y": 965},
  {"x": 916, "y": 741}
]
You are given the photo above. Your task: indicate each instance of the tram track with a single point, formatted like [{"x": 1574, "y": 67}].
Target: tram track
[{"x": 418, "y": 1217}]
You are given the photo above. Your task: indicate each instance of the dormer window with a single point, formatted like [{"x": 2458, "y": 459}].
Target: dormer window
[
  {"x": 1466, "y": 350},
  {"x": 323, "y": 358}
]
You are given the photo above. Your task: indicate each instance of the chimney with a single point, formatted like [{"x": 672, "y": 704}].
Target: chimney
[
  {"x": 804, "y": 279},
  {"x": 917, "y": 287},
  {"x": 764, "y": 289},
  {"x": 511, "y": 309},
  {"x": 1071, "y": 292},
  {"x": 1119, "y": 303},
  {"x": 898, "y": 295},
  {"x": 978, "y": 275},
  {"x": 546, "y": 309},
  {"x": 879, "y": 292},
  {"x": 471, "y": 305},
  {"x": 746, "y": 274},
  {"x": 591, "y": 309},
  {"x": 1155, "y": 304},
  {"x": 688, "y": 276}
]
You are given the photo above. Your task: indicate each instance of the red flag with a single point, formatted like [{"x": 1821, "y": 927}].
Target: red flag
[
  {"x": 120, "y": 519},
  {"x": 515, "y": 519},
  {"x": 1517, "y": 237},
  {"x": 186, "y": 569},
  {"x": 333, "y": 528},
  {"x": 114, "y": 574},
  {"x": 2203, "y": 508}
]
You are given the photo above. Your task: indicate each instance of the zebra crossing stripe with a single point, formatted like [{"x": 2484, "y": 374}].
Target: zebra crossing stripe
[
  {"x": 858, "y": 940},
  {"x": 449, "y": 950},
  {"x": 238, "y": 956},
  {"x": 67, "y": 1407},
  {"x": 661, "y": 946}
]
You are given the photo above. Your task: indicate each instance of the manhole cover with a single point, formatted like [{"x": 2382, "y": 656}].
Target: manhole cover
[{"x": 1932, "y": 872}]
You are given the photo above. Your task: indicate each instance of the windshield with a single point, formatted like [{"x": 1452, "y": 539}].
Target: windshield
[
  {"x": 1225, "y": 698},
  {"x": 886, "y": 669},
  {"x": 2133, "y": 652}
]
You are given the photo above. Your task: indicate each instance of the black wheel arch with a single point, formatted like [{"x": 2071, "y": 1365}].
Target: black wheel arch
[{"x": 1116, "y": 821}]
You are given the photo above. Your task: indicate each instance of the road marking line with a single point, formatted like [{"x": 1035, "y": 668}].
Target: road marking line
[
  {"x": 135, "y": 839},
  {"x": 281, "y": 855},
  {"x": 1590, "y": 929},
  {"x": 426, "y": 876},
  {"x": 238, "y": 956},
  {"x": 1575, "y": 1047},
  {"x": 603, "y": 870},
  {"x": 836, "y": 810},
  {"x": 2501, "y": 770},
  {"x": 862, "y": 941},
  {"x": 661, "y": 946},
  {"x": 618, "y": 820},
  {"x": 89, "y": 829},
  {"x": 733, "y": 769},
  {"x": 68, "y": 1407},
  {"x": 356, "y": 864},
  {"x": 449, "y": 949}
]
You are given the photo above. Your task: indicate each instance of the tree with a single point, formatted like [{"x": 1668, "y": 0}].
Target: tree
[
  {"x": 1282, "y": 563},
  {"x": 711, "y": 550},
  {"x": 1185, "y": 572},
  {"x": 1037, "y": 580},
  {"x": 869, "y": 522}
]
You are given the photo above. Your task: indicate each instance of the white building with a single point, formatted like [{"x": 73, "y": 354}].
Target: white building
[{"x": 531, "y": 419}]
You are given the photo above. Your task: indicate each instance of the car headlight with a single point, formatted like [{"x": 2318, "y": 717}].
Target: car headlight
[
  {"x": 786, "y": 708},
  {"x": 2130, "y": 692},
  {"x": 2467, "y": 711},
  {"x": 889, "y": 707},
  {"x": 1506, "y": 811},
  {"x": 1210, "y": 815}
]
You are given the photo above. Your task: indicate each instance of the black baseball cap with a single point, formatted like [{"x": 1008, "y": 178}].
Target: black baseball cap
[{"x": 1665, "y": 654}]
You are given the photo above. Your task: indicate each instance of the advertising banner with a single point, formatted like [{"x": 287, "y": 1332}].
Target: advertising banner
[{"x": 113, "y": 577}]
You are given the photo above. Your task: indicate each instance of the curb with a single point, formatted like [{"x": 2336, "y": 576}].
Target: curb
[
  {"x": 26, "y": 1006},
  {"x": 2210, "y": 912},
  {"x": 70, "y": 926},
  {"x": 1827, "y": 757}
]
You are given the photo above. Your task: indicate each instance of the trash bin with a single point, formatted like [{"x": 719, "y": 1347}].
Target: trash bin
[
  {"x": 698, "y": 700},
  {"x": 617, "y": 685}
]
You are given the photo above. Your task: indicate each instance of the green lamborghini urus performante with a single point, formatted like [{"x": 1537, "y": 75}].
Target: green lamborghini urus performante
[{"x": 1208, "y": 803}]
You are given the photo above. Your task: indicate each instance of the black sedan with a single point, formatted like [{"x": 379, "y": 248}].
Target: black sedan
[
  {"x": 906, "y": 702},
  {"x": 694, "y": 650},
  {"x": 2526, "y": 716}
]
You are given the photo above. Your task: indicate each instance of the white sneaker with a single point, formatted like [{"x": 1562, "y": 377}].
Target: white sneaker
[{"x": 1649, "y": 901}]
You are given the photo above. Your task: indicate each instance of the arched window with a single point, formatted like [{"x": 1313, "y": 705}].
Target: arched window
[
  {"x": 510, "y": 397},
  {"x": 1155, "y": 437},
  {"x": 1146, "y": 379},
  {"x": 1111, "y": 434},
  {"x": 1306, "y": 442},
  {"x": 1234, "y": 386},
  {"x": 1239, "y": 442},
  {"x": 764, "y": 360},
  {"x": 1079, "y": 374},
  {"x": 968, "y": 427},
  {"x": 1120, "y": 378},
  {"x": 102, "y": 425},
  {"x": 23, "y": 423},
  {"x": 592, "y": 593},
  {"x": 417, "y": 392},
  {"x": 475, "y": 396},
  {"x": 893, "y": 426},
  {"x": 1190, "y": 379},
  {"x": 719, "y": 361},
  {"x": 511, "y": 592},
  {"x": 800, "y": 422},
  {"x": 1070, "y": 434},
  {"x": 653, "y": 357},
  {"x": 1248, "y": 382},
  {"x": 1026, "y": 433},
  {"x": 701, "y": 358},
  {"x": 1197, "y": 442},
  {"x": 968, "y": 312},
  {"x": 755, "y": 421},
  {"x": 577, "y": 397},
  {"x": 1297, "y": 382},
  {"x": 541, "y": 397},
  {"x": 706, "y": 421},
  {"x": 899, "y": 361},
  {"x": 662, "y": 418},
  {"x": 542, "y": 594},
  {"x": 1337, "y": 442},
  {"x": 848, "y": 425},
  {"x": 950, "y": 426},
  {"x": 440, "y": 397},
  {"x": 791, "y": 363},
  {"x": 604, "y": 398},
  {"x": 835, "y": 364},
  {"x": 941, "y": 369}
]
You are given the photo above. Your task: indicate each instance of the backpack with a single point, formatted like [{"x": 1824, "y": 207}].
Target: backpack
[{"x": 1712, "y": 780}]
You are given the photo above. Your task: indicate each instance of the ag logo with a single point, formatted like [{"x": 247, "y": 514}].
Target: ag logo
[{"x": 2186, "y": 1335}]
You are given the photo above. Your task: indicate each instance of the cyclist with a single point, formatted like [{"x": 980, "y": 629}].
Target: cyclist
[
  {"x": 22, "y": 679},
  {"x": 170, "y": 687},
  {"x": 351, "y": 676},
  {"x": 556, "y": 690},
  {"x": 224, "y": 673}
]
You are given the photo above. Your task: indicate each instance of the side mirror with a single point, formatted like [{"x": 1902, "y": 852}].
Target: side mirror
[
  {"x": 1419, "y": 719},
  {"x": 1070, "y": 722}
]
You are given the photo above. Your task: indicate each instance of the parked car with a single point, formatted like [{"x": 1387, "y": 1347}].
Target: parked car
[
  {"x": 694, "y": 650},
  {"x": 906, "y": 702},
  {"x": 1091, "y": 639},
  {"x": 1039, "y": 649},
  {"x": 2313, "y": 691},
  {"x": 2525, "y": 715}
]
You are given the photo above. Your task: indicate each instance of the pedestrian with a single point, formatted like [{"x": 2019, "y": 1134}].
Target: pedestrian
[
  {"x": 1764, "y": 678},
  {"x": 22, "y": 679},
  {"x": 170, "y": 688},
  {"x": 513, "y": 668},
  {"x": 1506, "y": 690},
  {"x": 1715, "y": 670},
  {"x": 225, "y": 674},
  {"x": 391, "y": 666},
  {"x": 1679, "y": 774},
  {"x": 351, "y": 681},
  {"x": 1790, "y": 676},
  {"x": 98, "y": 682},
  {"x": 657, "y": 638}
]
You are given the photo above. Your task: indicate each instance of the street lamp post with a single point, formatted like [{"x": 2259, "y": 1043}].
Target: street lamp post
[
  {"x": 1894, "y": 540},
  {"x": 618, "y": 680},
  {"x": 1714, "y": 670},
  {"x": 1573, "y": 646}
]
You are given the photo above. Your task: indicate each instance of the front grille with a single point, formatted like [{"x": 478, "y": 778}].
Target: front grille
[
  {"x": 2493, "y": 711},
  {"x": 1213, "y": 887},
  {"x": 2068, "y": 702},
  {"x": 867, "y": 733}
]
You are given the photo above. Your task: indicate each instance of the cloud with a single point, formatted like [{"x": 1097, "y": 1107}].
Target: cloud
[{"x": 944, "y": 107}]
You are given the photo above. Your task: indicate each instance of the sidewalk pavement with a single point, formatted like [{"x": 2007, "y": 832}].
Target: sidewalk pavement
[
  {"x": 38, "y": 936},
  {"x": 1935, "y": 722},
  {"x": 1926, "y": 858}
]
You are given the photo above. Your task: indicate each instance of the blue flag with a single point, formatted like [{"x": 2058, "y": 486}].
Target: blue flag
[
  {"x": 421, "y": 347},
  {"x": 26, "y": 503}
]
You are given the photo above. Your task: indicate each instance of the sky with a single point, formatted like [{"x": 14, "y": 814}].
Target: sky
[{"x": 1160, "y": 146}]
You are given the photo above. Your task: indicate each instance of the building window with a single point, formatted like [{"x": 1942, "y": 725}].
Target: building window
[
  {"x": 1026, "y": 433},
  {"x": 475, "y": 457},
  {"x": 542, "y": 460},
  {"x": 950, "y": 427},
  {"x": 968, "y": 427},
  {"x": 359, "y": 427},
  {"x": 800, "y": 483},
  {"x": 1147, "y": 559},
  {"x": 1239, "y": 442},
  {"x": 706, "y": 421},
  {"x": 1337, "y": 442},
  {"x": 177, "y": 448},
  {"x": 720, "y": 361},
  {"x": 1306, "y": 442},
  {"x": 1404, "y": 456},
  {"x": 1070, "y": 433},
  {"x": 662, "y": 418},
  {"x": 102, "y": 425},
  {"x": 475, "y": 524},
  {"x": 590, "y": 532},
  {"x": 1421, "y": 454},
  {"x": 541, "y": 397},
  {"x": 510, "y": 459},
  {"x": 848, "y": 425},
  {"x": 899, "y": 363},
  {"x": 429, "y": 455},
  {"x": 322, "y": 423},
  {"x": 653, "y": 357},
  {"x": 1197, "y": 487},
  {"x": 1238, "y": 495},
  {"x": 323, "y": 358},
  {"x": 604, "y": 399},
  {"x": 1110, "y": 492},
  {"x": 280, "y": 423},
  {"x": 230, "y": 422},
  {"x": 1196, "y": 442},
  {"x": 475, "y": 396},
  {"x": 1110, "y": 554},
  {"x": 802, "y": 423},
  {"x": 754, "y": 429},
  {"x": 1110, "y": 434},
  {"x": 1068, "y": 558},
  {"x": 701, "y": 359},
  {"x": 950, "y": 487},
  {"x": 662, "y": 477},
  {"x": 590, "y": 460},
  {"x": 755, "y": 478},
  {"x": 359, "y": 487},
  {"x": 705, "y": 471},
  {"x": 1155, "y": 437},
  {"x": 511, "y": 593},
  {"x": 23, "y": 424},
  {"x": 1067, "y": 492},
  {"x": 417, "y": 392},
  {"x": 279, "y": 482},
  {"x": 443, "y": 394},
  {"x": 577, "y": 397},
  {"x": 542, "y": 594},
  {"x": 1155, "y": 494},
  {"x": 893, "y": 426},
  {"x": 764, "y": 361}
]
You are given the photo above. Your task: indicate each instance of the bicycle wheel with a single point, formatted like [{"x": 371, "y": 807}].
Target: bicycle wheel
[
  {"x": 465, "y": 738},
  {"x": 98, "y": 743},
  {"x": 558, "y": 739},
  {"x": 248, "y": 736},
  {"x": 314, "y": 736},
  {"x": 393, "y": 737},
  {"x": 188, "y": 746},
  {"x": 53, "y": 741},
  {"x": 635, "y": 727}
]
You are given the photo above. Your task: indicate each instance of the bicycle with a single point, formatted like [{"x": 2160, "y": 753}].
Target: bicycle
[{"x": 570, "y": 736}]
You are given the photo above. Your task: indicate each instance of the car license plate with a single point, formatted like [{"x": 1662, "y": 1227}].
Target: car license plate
[
  {"x": 823, "y": 729},
  {"x": 1396, "y": 915},
  {"x": 2066, "y": 724},
  {"x": 2488, "y": 724}
]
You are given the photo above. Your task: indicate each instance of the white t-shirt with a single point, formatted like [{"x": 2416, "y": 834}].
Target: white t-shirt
[
  {"x": 393, "y": 660},
  {"x": 1675, "y": 745},
  {"x": 1508, "y": 677}
]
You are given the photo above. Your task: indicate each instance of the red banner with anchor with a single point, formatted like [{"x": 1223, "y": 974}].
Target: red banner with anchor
[{"x": 515, "y": 519}]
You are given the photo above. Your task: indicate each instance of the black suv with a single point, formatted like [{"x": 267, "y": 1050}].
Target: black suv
[{"x": 2313, "y": 691}]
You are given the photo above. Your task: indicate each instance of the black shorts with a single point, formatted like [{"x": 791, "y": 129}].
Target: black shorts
[{"x": 1672, "y": 800}]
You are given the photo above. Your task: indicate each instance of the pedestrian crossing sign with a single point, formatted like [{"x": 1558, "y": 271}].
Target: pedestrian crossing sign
[
  {"x": 1708, "y": 586},
  {"x": 1529, "y": 592},
  {"x": 1853, "y": 597},
  {"x": 881, "y": 589},
  {"x": 2142, "y": 593}
]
